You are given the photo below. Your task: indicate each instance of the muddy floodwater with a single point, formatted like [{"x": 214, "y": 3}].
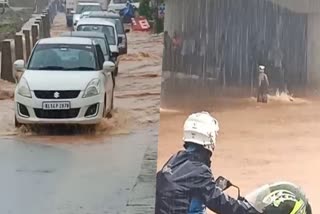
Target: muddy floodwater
[{"x": 257, "y": 143}]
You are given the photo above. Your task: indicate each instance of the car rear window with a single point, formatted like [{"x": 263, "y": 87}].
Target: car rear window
[
  {"x": 85, "y": 8},
  {"x": 107, "y": 30},
  {"x": 116, "y": 21}
]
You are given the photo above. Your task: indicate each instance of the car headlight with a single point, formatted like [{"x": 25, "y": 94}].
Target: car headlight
[
  {"x": 92, "y": 89},
  {"x": 23, "y": 88}
]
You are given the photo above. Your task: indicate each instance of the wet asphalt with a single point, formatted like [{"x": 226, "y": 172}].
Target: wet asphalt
[{"x": 39, "y": 177}]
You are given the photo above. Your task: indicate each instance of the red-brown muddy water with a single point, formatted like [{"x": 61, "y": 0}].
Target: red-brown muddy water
[{"x": 257, "y": 143}]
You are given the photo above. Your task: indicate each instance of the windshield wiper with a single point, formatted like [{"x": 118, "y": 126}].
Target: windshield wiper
[
  {"x": 52, "y": 67},
  {"x": 82, "y": 69}
]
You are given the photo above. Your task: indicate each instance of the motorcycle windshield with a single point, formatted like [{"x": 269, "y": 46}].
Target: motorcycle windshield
[
  {"x": 270, "y": 193},
  {"x": 256, "y": 197}
]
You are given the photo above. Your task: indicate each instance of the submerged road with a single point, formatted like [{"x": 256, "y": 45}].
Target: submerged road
[{"x": 100, "y": 173}]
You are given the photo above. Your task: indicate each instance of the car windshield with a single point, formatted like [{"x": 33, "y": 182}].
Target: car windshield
[
  {"x": 108, "y": 30},
  {"x": 63, "y": 58},
  {"x": 123, "y": 1},
  {"x": 84, "y": 8}
]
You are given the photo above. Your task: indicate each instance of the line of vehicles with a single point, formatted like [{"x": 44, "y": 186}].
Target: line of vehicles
[
  {"x": 71, "y": 79},
  {"x": 75, "y": 8}
]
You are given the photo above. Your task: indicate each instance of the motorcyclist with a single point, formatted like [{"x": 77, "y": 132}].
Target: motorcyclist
[
  {"x": 185, "y": 184},
  {"x": 263, "y": 85}
]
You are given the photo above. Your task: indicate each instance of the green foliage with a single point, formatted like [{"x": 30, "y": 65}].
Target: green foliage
[{"x": 145, "y": 10}]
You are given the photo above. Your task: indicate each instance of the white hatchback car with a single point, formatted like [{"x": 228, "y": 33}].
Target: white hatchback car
[{"x": 66, "y": 81}]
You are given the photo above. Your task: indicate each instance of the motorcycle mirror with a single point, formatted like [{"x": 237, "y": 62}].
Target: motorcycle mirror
[{"x": 223, "y": 183}]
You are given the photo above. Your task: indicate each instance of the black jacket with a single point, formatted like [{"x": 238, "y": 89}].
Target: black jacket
[{"x": 186, "y": 176}]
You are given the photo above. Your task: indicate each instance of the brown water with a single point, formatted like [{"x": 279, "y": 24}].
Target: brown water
[
  {"x": 258, "y": 143},
  {"x": 137, "y": 93}
]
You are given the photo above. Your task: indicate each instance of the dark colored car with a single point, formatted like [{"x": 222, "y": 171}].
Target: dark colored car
[{"x": 116, "y": 19}]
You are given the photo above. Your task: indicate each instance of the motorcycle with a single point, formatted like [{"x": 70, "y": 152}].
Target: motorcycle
[
  {"x": 261, "y": 198},
  {"x": 128, "y": 12}
]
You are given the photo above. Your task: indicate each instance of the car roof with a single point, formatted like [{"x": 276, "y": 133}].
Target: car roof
[
  {"x": 106, "y": 14},
  {"x": 95, "y": 21},
  {"x": 66, "y": 40},
  {"x": 89, "y": 34},
  {"x": 88, "y": 3}
]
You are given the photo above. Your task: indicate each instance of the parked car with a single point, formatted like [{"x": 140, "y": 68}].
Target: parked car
[
  {"x": 117, "y": 5},
  {"x": 116, "y": 19},
  {"x": 99, "y": 38},
  {"x": 84, "y": 7},
  {"x": 66, "y": 81},
  {"x": 106, "y": 27}
]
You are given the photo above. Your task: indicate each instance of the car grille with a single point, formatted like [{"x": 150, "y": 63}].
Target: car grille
[
  {"x": 57, "y": 114},
  {"x": 57, "y": 94}
]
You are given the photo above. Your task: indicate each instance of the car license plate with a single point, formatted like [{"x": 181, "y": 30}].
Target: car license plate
[{"x": 55, "y": 105}]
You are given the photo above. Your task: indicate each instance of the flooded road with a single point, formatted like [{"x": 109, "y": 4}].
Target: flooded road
[
  {"x": 69, "y": 173},
  {"x": 257, "y": 143}
]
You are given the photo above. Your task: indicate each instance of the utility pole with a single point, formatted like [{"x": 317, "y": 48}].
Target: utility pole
[{"x": 155, "y": 6}]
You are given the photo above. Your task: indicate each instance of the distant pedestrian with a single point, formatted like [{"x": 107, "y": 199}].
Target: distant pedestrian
[{"x": 263, "y": 85}]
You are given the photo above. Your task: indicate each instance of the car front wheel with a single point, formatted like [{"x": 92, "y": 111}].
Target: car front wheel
[{"x": 16, "y": 123}]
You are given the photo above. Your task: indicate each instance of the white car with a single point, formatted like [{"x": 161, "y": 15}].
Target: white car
[
  {"x": 117, "y": 5},
  {"x": 104, "y": 26},
  {"x": 66, "y": 81},
  {"x": 84, "y": 7}
]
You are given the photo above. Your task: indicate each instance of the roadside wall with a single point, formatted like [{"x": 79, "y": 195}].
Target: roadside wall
[
  {"x": 37, "y": 5},
  {"x": 20, "y": 46},
  {"x": 220, "y": 42},
  {"x": 314, "y": 51}
]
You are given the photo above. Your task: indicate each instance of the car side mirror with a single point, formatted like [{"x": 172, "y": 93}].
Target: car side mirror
[
  {"x": 223, "y": 183},
  {"x": 119, "y": 40},
  {"x": 109, "y": 66},
  {"x": 127, "y": 30},
  {"x": 18, "y": 69}
]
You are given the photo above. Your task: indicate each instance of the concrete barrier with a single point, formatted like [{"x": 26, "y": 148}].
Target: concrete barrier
[
  {"x": 20, "y": 47},
  {"x": 38, "y": 23},
  {"x": 28, "y": 42},
  {"x": 7, "y": 60},
  {"x": 34, "y": 34},
  {"x": 44, "y": 25},
  {"x": 41, "y": 30}
]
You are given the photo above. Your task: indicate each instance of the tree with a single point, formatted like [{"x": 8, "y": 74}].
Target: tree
[{"x": 145, "y": 10}]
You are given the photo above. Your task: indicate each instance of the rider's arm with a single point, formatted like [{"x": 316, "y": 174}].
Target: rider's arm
[
  {"x": 218, "y": 201},
  {"x": 267, "y": 79}
]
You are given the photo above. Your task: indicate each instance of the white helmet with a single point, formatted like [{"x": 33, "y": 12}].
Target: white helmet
[
  {"x": 201, "y": 128},
  {"x": 261, "y": 68}
]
